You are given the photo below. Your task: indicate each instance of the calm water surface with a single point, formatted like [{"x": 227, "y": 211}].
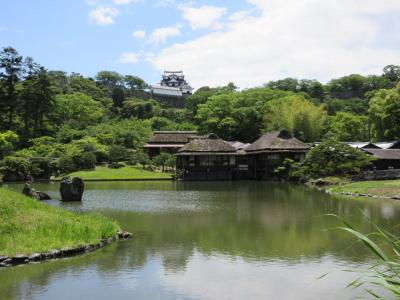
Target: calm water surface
[{"x": 209, "y": 240}]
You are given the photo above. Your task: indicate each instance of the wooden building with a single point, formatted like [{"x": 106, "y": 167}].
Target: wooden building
[
  {"x": 385, "y": 158},
  {"x": 212, "y": 158},
  {"x": 169, "y": 141},
  {"x": 207, "y": 158},
  {"x": 270, "y": 150}
]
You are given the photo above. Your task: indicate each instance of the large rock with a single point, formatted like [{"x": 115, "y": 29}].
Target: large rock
[
  {"x": 31, "y": 192},
  {"x": 71, "y": 190}
]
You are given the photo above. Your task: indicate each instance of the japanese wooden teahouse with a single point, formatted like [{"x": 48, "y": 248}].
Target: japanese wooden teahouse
[
  {"x": 207, "y": 158},
  {"x": 168, "y": 141},
  {"x": 385, "y": 159},
  {"x": 212, "y": 158},
  {"x": 269, "y": 152}
]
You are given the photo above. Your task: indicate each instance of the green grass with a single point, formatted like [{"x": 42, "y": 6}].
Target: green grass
[
  {"x": 128, "y": 172},
  {"x": 381, "y": 188},
  {"x": 28, "y": 226}
]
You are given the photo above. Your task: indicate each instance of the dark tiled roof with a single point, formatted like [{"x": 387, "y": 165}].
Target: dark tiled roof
[
  {"x": 384, "y": 153},
  {"x": 172, "y": 137},
  {"x": 211, "y": 144},
  {"x": 277, "y": 140},
  {"x": 396, "y": 145}
]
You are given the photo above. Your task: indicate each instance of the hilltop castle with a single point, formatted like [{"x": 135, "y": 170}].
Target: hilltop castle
[{"x": 172, "y": 89}]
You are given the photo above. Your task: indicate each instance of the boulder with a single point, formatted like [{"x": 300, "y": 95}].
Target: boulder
[
  {"x": 71, "y": 190},
  {"x": 31, "y": 192}
]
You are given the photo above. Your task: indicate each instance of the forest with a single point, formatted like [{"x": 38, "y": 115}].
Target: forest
[{"x": 55, "y": 122}]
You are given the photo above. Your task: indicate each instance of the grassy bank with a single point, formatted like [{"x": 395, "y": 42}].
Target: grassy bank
[
  {"x": 128, "y": 172},
  {"x": 379, "y": 188},
  {"x": 28, "y": 226}
]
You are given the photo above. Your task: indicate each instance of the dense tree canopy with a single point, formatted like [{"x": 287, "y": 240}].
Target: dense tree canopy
[
  {"x": 52, "y": 121},
  {"x": 384, "y": 111},
  {"x": 295, "y": 113}
]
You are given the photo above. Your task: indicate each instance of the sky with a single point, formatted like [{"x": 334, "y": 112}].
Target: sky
[{"x": 248, "y": 42}]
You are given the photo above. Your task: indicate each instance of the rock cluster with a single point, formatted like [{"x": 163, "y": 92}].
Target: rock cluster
[
  {"x": 71, "y": 190},
  {"x": 362, "y": 195},
  {"x": 31, "y": 192}
]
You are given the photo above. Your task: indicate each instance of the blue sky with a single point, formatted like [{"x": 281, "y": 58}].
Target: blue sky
[{"x": 214, "y": 42}]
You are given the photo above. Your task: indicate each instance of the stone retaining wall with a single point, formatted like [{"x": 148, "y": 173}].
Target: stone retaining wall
[{"x": 7, "y": 261}]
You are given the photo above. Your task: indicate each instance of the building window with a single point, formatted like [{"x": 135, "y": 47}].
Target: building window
[
  {"x": 191, "y": 161},
  {"x": 274, "y": 159}
]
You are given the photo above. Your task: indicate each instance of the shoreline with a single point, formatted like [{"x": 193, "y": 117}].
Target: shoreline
[
  {"x": 379, "y": 189},
  {"x": 327, "y": 191},
  {"x": 115, "y": 179},
  {"x": 52, "y": 254}
]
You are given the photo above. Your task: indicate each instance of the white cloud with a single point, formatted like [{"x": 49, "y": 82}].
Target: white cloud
[
  {"x": 92, "y": 2},
  {"x": 204, "y": 16},
  {"x": 299, "y": 38},
  {"x": 164, "y": 3},
  {"x": 160, "y": 35},
  {"x": 2, "y": 28},
  {"x": 119, "y": 2},
  {"x": 128, "y": 58},
  {"x": 103, "y": 15},
  {"x": 239, "y": 15},
  {"x": 139, "y": 34}
]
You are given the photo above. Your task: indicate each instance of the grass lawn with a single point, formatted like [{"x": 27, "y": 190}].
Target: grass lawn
[
  {"x": 382, "y": 188},
  {"x": 128, "y": 172},
  {"x": 28, "y": 226}
]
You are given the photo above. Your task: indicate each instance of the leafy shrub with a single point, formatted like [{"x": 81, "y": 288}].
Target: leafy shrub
[
  {"x": 332, "y": 158},
  {"x": 117, "y": 153},
  {"x": 16, "y": 168},
  {"x": 162, "y": 159}
]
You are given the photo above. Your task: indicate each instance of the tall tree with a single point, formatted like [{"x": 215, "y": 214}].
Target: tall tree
[
  {"x": 11, "y": 66},
  {"x": 384, "y": 112},
  {"x": 118, "y": 96},
  {"x": 392, "y": 72},
  {"x": 348, "y": 127},
  {"x": 109, "y": 79},
  {"x": 135, "y": 83},
  {"x": 295, "y": 113},
  {"x": 37, "y": 97}
]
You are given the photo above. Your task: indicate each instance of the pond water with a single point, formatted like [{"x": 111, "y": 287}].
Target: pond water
[{"x": 209, "y": 240}]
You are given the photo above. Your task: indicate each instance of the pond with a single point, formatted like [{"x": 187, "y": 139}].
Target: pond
[{"x": 209, "y": 240}]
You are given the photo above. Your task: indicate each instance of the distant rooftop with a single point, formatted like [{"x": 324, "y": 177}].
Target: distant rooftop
[
  {"x": 172, "y": 137},
  {"x": 277, "y": 140}
]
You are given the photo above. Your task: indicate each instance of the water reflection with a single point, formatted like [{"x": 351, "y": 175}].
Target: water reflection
[{"x": 208, "y": 240}]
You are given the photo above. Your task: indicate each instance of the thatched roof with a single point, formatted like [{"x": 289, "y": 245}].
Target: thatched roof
[
  {"x": 211, "y": 144},
  {"x": 172, "y": 137},
  {"x": 384, "y": 153},
  {"x": 277, "y": 140}
]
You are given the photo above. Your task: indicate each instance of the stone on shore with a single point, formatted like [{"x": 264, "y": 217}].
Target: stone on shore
[{"x": 31, "y": 192}]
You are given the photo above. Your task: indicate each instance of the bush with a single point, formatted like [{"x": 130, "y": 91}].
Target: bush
[
  {"x": 88, "y": 160},
  {"x": 66, "y": 164},
  {"x": 332, "y": 158},
  {"x": 162, "y": 159},
  {"x": 141, "y": 158},
  {"x": 15, "y": 168},
  {"x": 117, "y": 153}
]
